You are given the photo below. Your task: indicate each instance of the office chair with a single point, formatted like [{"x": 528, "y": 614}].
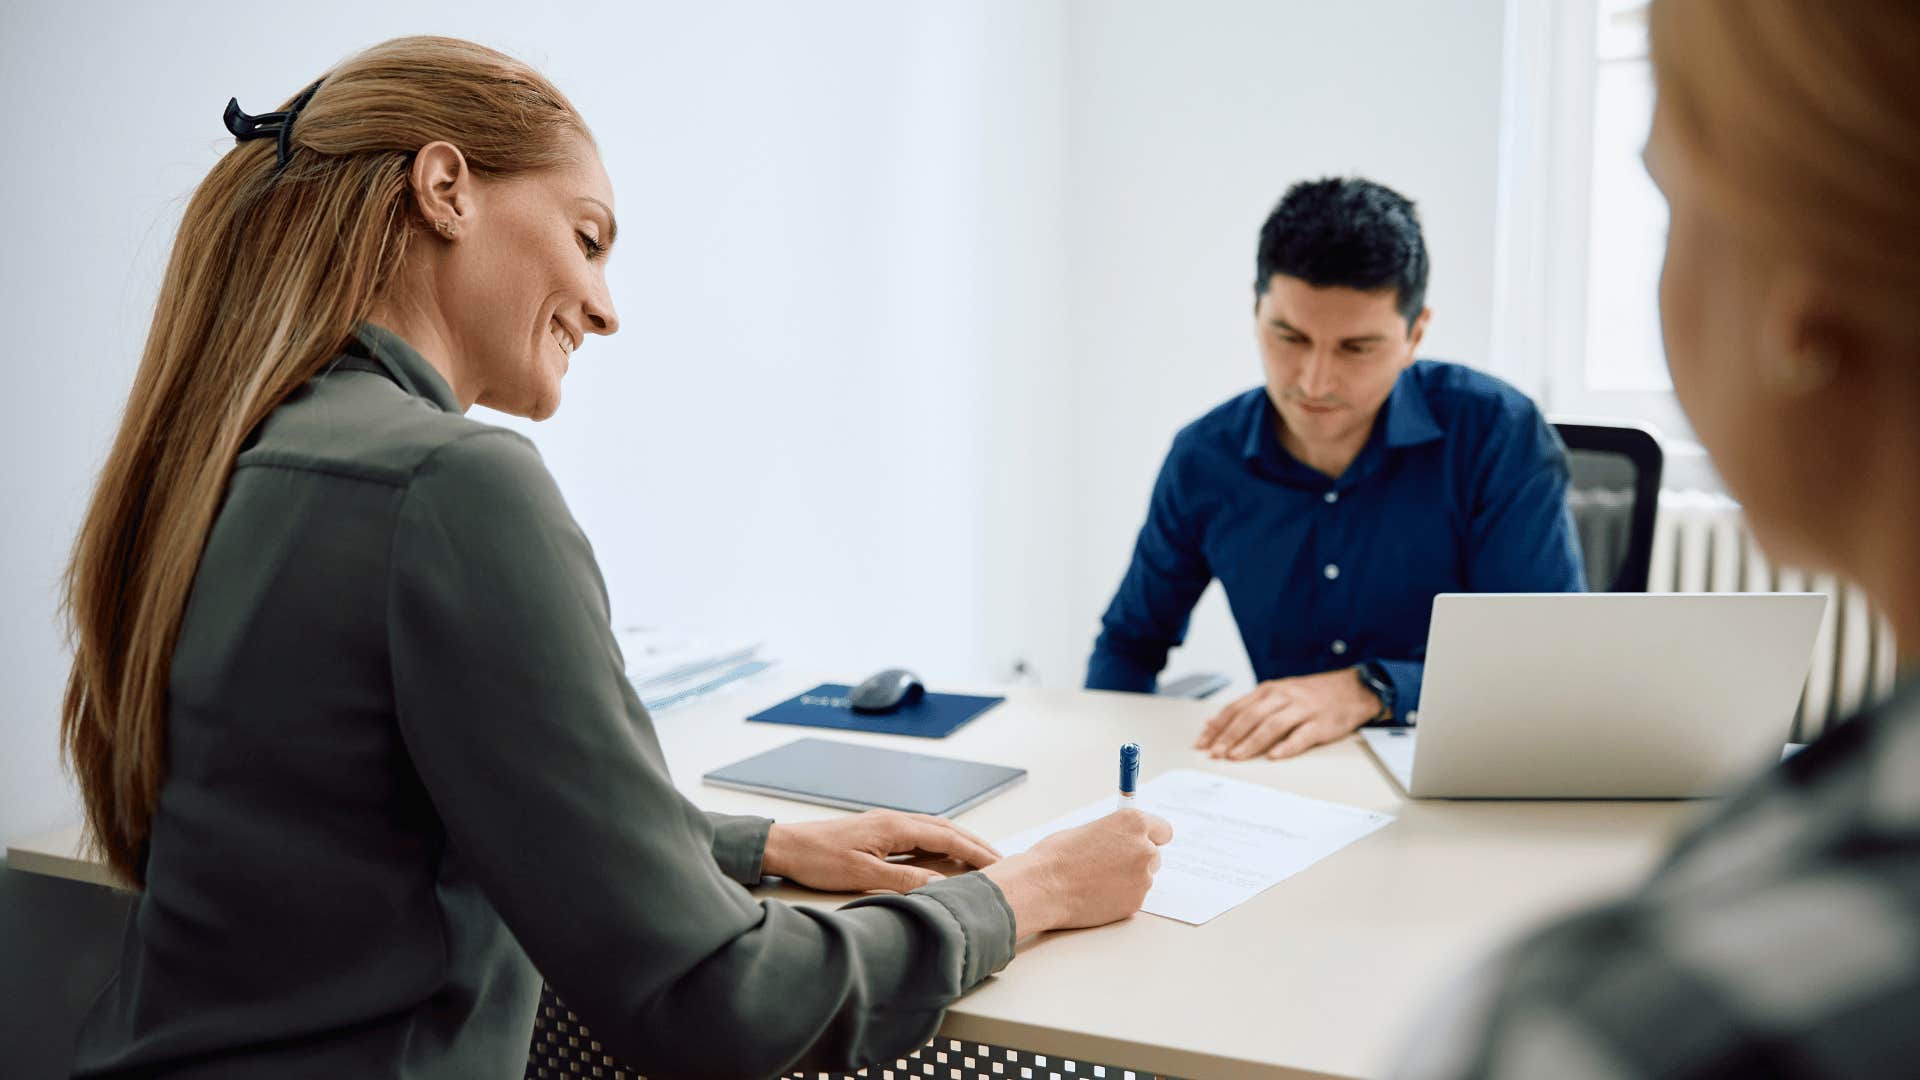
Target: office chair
[{"x": 1613, "y": 494}]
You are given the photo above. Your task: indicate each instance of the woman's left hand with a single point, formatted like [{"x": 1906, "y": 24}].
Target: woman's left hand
[{"x": 851, "y": 854}]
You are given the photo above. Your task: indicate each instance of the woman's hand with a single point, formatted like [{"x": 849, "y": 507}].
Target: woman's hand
[
  {"x": 1097, "y": 873},
  {"x": 850, "y": 854}
]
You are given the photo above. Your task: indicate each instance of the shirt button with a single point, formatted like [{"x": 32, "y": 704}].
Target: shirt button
[
  {"x": 1331, "y": 571},
  {"x": 1339, "y": 648},
  {"x": 1332, "y": 496}
]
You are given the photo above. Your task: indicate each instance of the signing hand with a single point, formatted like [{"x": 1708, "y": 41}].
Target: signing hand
[
  {"x": 1283, "y": 717},
  {"x": 849, "y": 854},
  {"x": 1085, "y": 876}
]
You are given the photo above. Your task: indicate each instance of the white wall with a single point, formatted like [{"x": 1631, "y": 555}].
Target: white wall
[
  {"x": 840, "y": 283},
  {"x": 837, "y": 263},
  {"x": 978, "y": 260},
  {"x": 1186, "y": 124}
]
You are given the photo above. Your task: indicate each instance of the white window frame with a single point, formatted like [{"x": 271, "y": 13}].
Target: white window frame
[{"x": 1543, "y": 222}]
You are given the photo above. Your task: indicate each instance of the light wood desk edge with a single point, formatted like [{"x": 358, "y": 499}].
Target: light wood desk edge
[{"x": 56, "y": 853}]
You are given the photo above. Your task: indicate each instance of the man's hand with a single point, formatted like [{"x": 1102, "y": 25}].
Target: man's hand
[
  {"x": 1283, "y": 717},
  {"x": 850, "y": 854}
]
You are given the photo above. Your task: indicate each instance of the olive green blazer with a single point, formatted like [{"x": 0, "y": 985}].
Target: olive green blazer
[{"x": 407, "y": 778}]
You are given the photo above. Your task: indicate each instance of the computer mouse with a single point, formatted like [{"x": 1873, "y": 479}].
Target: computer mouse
[{"x": 887, "y": 691}]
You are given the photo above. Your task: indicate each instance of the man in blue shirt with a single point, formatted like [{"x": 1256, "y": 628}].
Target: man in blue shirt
[{"x": 1336, "y": 501}]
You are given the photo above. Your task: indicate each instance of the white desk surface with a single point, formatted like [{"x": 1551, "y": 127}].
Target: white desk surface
[{"x": 1326, "y": 974}]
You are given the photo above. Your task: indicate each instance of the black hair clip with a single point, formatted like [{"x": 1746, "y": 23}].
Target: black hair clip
[{"x": 277, "y": 126}]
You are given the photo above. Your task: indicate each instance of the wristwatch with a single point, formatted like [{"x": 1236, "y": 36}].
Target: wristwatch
[{"x": 1374, "y": 677}]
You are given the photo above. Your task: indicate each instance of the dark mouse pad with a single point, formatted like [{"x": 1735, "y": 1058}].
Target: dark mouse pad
[{"x": 934, "y": 716}]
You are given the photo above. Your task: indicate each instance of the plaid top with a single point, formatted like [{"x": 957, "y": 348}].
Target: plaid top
[{"x": 1780, "y": 938}]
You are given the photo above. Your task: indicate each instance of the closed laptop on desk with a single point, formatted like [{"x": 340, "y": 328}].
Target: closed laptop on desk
[
  {"x": 1606, "y": 695},
  {"x": 865, "y": 777}
]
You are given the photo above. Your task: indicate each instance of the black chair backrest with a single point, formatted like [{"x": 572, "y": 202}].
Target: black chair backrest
[{"x": 1615, "y": 481}]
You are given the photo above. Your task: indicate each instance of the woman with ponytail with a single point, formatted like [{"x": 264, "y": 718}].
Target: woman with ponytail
[{"x": 345, "y": 707}]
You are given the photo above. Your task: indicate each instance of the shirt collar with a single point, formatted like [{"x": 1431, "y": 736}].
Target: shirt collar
[
  {"x": 403, "y": 365},
  {"x": 1409, "y": 421},
  {"x": 1263, "y": 430}
]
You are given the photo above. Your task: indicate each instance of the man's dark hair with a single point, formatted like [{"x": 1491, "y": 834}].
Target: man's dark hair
[{"x": 1348, "y": 232}]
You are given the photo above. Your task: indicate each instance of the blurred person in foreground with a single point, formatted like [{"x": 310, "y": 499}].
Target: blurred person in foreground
[{"x": 1781, "y": 937}]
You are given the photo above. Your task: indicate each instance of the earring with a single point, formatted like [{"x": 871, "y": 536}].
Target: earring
[
  {"x": 1805, "y": 369},
  {"x": 446, "y": 228}
]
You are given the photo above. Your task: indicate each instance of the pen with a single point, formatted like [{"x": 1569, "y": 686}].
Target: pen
[{"x": 1129, "y": 774}]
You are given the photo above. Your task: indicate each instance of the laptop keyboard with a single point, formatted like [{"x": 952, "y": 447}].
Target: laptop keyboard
[{"x": 1394, "y": 748}]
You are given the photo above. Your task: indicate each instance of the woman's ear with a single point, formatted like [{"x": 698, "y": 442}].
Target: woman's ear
[
  {"x": 1807, "y": 338},
  {"x": 442, "y": 187}
]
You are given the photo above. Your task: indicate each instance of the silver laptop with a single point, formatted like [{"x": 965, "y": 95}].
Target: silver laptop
[{"x": 1603, "y": 695}]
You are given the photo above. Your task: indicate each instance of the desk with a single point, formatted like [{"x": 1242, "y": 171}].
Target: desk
[{"x": 1326, "y": 974}]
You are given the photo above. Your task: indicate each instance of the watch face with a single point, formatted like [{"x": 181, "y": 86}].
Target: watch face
[{"x": 1370, "y": 677}]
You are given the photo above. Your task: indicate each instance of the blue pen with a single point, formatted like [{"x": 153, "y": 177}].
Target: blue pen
[{"x": 1129, "y": 774}]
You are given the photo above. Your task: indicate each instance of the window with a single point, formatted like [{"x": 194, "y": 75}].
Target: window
[
  {"x": 1582, "y": 228},
  {"x": 1626, "y": 217}
]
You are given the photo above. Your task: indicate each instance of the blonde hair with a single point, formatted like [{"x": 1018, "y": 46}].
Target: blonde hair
[
  {"x": 270, "y": 273},
  {"x": 1803, "y": 121}
]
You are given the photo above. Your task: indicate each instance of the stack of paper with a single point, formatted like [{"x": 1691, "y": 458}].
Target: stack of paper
[
  {"x": 1232, "y": 840},
  {"x": 670, "y": 667}
]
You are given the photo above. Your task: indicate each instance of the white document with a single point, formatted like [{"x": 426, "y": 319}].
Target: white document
[
  {"x": 656, "y": 656},
  {"x": 1232, "y": 840}
]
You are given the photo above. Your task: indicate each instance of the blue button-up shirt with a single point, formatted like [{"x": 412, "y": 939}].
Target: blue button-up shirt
[{"x": 1460, "y": 488}]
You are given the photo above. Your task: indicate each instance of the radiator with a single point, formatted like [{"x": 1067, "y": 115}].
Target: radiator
[{"x": 1701, "y": 544}]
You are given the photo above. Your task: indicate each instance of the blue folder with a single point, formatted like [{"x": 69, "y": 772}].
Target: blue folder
[{"x": 934, "y": 716}]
